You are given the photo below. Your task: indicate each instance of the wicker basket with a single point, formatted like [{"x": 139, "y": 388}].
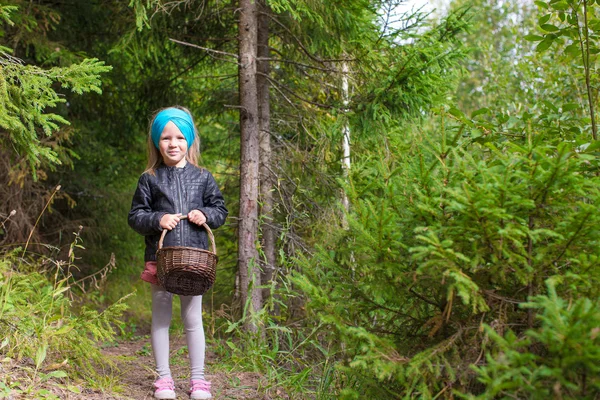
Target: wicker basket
[{"x": 186, "y": 271}]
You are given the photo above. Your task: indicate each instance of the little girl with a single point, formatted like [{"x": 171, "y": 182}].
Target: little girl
[{"x": 171, "y": 187}]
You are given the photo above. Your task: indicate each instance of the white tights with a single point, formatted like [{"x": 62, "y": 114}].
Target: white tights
[{"x": 191, "y": 314}]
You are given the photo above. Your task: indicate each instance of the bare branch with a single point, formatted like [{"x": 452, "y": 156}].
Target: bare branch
[
  {"x": 283, "y": 94},
  {"x": 298, "y": 63},
  {"x": 293, "y": 93},
  {"x": 227, "y": 76},
  {"x": 426, "y": 300},
  {"x": 224, "y": 53},
  {"x": 98, "y": 278}
]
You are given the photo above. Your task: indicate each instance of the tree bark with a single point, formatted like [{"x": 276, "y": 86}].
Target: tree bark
[
  {"x": 266, "y": 176},
  {"x": 249, "y": 270}
]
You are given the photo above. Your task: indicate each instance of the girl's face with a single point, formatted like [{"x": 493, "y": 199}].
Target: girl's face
[{"x": 172, "y": 146}]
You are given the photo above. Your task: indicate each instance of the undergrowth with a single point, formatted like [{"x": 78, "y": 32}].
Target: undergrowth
[
  {"x": 306, "y": 360},
  {"x": 296, "y": 360},
  {"x": 48, "y": 333}
]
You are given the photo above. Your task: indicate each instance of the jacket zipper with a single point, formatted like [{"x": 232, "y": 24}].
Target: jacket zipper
[{"x": 178, "y": 183}]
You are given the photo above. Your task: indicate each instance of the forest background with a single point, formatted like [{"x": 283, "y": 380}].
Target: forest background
[{"x": 423, "y": 192}]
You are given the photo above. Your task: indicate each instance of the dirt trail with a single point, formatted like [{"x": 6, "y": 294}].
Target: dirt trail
[
  {"x": 134, "y": 375},
  {"x": 135, "y": 364}
]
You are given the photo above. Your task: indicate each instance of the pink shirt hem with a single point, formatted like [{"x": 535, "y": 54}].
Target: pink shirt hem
[{"x": 149, "y": 273}]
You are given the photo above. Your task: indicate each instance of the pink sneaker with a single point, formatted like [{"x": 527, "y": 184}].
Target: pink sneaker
[
  {"x": 200, "y": 389},
  {"x": 165, "y": 389}
]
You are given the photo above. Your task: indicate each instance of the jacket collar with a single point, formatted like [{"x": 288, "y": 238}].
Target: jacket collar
[{"x": 174, "y": 168}]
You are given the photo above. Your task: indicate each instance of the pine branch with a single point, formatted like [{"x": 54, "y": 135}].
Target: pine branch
[{"x": 304, "y": 49}]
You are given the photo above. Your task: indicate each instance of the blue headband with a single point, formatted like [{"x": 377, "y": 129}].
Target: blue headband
[{"x": 180, "y": 118}]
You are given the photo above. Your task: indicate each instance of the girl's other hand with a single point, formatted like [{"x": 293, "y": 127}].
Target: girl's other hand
[
  {"x": 170, "y": 221},
  {"x": 197, "y": 217}
]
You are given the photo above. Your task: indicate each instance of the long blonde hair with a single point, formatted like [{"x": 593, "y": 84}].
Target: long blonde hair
[{"x": 154, "y": 157}]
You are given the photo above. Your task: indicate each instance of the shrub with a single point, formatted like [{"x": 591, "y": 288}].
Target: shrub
[
  {"x": 42, "y": 325},
  {"x": 560, "y": 359}
]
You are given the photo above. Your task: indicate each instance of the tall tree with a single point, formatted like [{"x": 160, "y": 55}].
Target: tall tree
[
  {"x": 266, "y": 218},
  {"x": 249, "y": 268}
]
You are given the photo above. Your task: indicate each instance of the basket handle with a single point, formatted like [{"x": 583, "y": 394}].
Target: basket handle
[{"x": 205, "y": 226}]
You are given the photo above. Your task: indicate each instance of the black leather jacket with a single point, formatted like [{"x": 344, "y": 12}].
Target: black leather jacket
[{"x": 176, "y": 190}]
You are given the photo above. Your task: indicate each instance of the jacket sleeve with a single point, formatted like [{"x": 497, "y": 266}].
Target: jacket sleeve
[
  {"x": 214, "y": 204},
  {"x": 142, "y": 218}
]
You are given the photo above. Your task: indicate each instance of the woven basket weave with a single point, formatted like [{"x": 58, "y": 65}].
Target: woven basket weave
[{"x": 186, "y": 271}]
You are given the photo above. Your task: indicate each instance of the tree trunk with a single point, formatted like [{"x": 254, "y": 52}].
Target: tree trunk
[
  {"x": 346, "y": 135},
  {"x": 266, "y": 176},
  {"x": 249, "y": 270}
]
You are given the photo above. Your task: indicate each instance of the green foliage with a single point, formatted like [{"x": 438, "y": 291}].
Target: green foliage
[
  {"x": 28, "y": 91},
  {"x": 408, "y": 79},
  {"x": 141, "y": 9},
  {"x": 559, "y": 359},
  {"x": 294, "y": 362},
  {"x": 39, "y": 320},
  {"x": 567, "y": 21},
  {"x": 575, "y": 32},
  {"x": 298, "y": 10},
  {"x": 5, "y": 11},
  {"x": 25, "y": 93},
  {"x": 453, "y": 228},
  {"x": 456, "y": 219},
  {"x": 512, "y": 68},
  {"x": 500, "y": 64}
]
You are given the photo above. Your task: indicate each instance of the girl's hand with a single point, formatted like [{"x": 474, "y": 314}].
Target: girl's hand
[
  {"x": 170, "y": 221},
  {"x": 197, "y": 217}
]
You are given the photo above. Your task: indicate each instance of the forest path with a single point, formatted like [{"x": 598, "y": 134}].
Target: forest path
[
  {"x": 135, "y": 372},
  {"x": 131, "y": 377}
]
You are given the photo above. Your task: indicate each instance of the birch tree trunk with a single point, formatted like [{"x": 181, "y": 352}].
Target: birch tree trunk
[
  {"x": 346, "y": 135},
  {"x": 266, "y": 176},
  {"x": 249, "y": 270}
]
